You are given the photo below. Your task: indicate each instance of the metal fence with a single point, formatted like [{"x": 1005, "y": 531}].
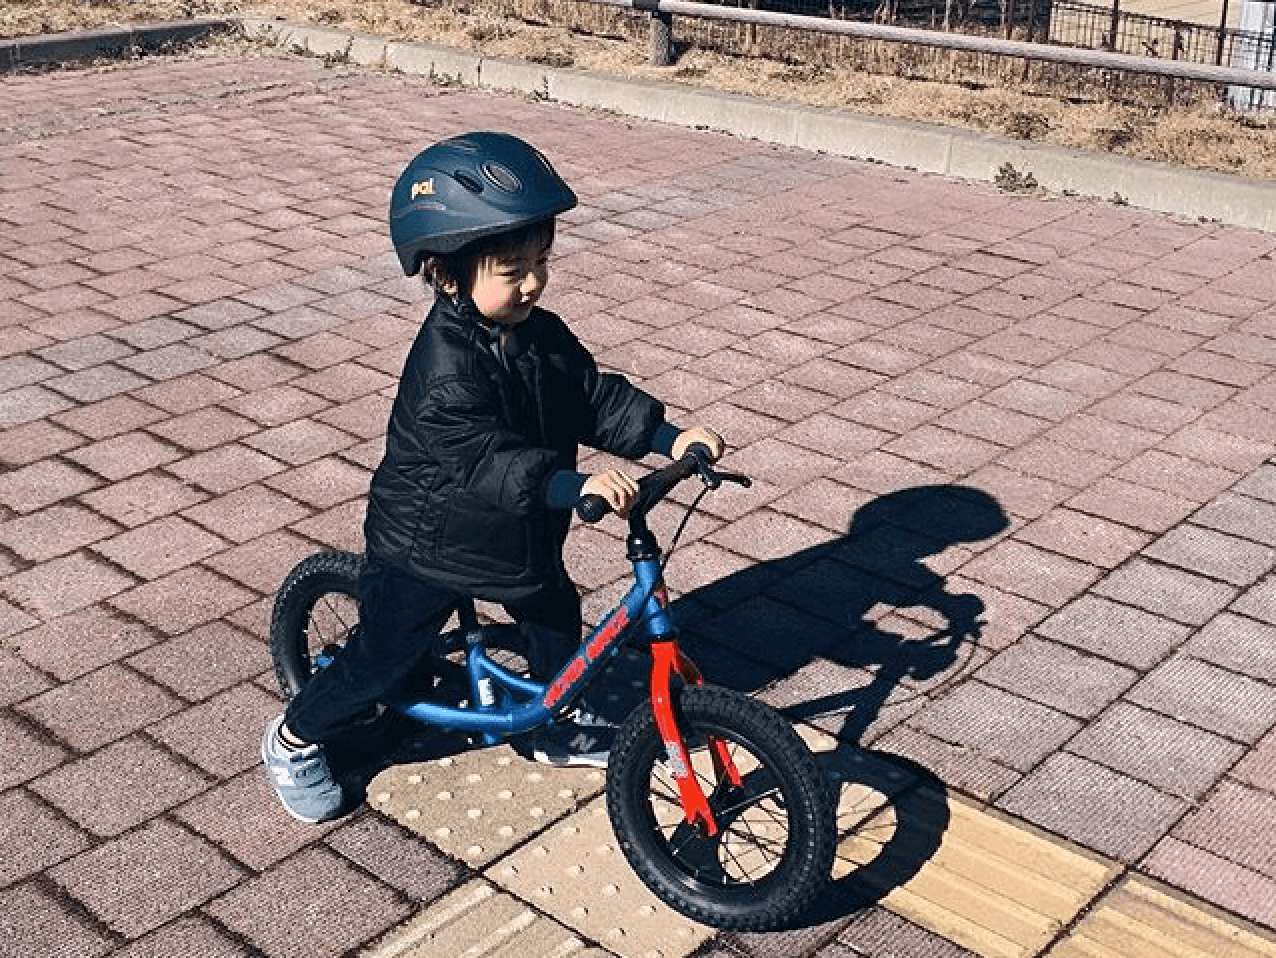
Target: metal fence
[
  {"x": 938, "y": 54},
  {"x": 1096, "y": 27}
]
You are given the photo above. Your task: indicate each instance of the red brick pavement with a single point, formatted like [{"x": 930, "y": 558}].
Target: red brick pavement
[{"x": 200, "y": 326}]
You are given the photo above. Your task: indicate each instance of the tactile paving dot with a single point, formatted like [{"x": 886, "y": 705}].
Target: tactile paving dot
[
  {"x": 477, "y": 805},
  {"x": 476, "y": 919},
  {"x": 576, "y": 873}
]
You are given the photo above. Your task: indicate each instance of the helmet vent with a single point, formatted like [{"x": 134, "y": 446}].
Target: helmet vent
[
  {"x": 469, "y": 182},
  {"x": 502, "y": 177},
  {"x": 461, "y": 143}
]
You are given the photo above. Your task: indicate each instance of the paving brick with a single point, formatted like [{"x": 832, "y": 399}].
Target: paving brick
[
  {"x": 120, "y": 786},
  {"x": 28, "y": 443},
  {"x": 1037, "y": 399},
  {"x": 64, "y": 585},
  {"x": 1235, "y": 822},
  {"x": 996, "y": 725},
  {"x": 226, "y": 468},
  {"x": 42, "y": 483},
  {"x": 138, "y": 882},
  {"x": 244, "y": 817},
  {"x": 301, "y": 907},
  {"x": 247, "y": 513},
  {"x": 957, "y": 765},
  {"x": 126, "y": 455},
  {"x": 27, "y": 404},
  {"x": 1087, "y": 538},
  {"x": 300, "y": 441},
  {"x": 1056, "y": 676},
  {"x": 222, "y": 735},
  {"x": 1177, "y": 475},
  {"x": 141, "y": 499},
  {"x": 256, "y": 373},
  {"x": 187, "y": 393},
  {"x": 398, "y": 858},
  {"x": 338, "y": 528},
  {"x": 160, "y": 547},
  {"x": 1033, "y": 573},
  {"x": 766, "y": 535},
  {"x": 1119, "y": 632},
  {"x": 1090, "y": 804},
  {"x": 204, "y": 428},
  {"x": 277, "y": 405},
  {"x": 183, "y": 600},
  {"x": 365, "y": 418},
  {"x": 53, "y": 531},
  {"x": 780, "y": 463},
  {"x": 204, "y": 661},
  {"x": 772, "y": 633},
  {"x": 877, "y": 933},
  {"x": 28, "y": 750},
  {"x": 1252, "y": 519},
  {"x": 1162, "y": 590},
  {"x": 72, "y": 645},
  {"x": 34, "y": 921},
  {"x": 1240, "y": 644},
  {"x": 1176, "y": 758},
  {"x": 1261, "y": 484},
  {"x": 1258, "y": 767},
  {"x": 1213, "y": 878},
  {"x": 1259, "y": 601},
  {"x": 1212, "y": 554},
  {"x": 34, "y": 838},
  {"x": 320, "y": 350},
  {"x": 75, "y": 714},
  {"x": 191, "y": 935},
  {"x": 1207, "y": 696}
]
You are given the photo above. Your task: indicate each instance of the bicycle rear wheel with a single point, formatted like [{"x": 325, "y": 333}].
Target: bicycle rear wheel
[
  {"x": 777, "y": 837},
  {"x": 316, "y": 612}
]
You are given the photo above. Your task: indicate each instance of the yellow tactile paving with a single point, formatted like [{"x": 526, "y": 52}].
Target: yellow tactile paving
[
  {"x": 992, "y": 886},
  {"x": 997, "y": 887},
  {"x": 1141, "y": 919},
  {"x": 575, "y": 872},
  {"x": 477, "y": 921},
  {"x": 479, "y": 804}
]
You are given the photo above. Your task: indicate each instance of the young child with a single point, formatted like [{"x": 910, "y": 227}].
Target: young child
[{"x": 473, "y": 496}]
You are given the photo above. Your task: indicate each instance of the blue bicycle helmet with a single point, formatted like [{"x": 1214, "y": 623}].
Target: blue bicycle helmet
[{"x": 471, "y": 186}]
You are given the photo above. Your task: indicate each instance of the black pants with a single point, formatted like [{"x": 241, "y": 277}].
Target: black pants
[{"x": 400, "y": 618}]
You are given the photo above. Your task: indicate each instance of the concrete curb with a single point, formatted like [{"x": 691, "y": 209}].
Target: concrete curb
[
  {"x": 108, "y": 41},
  {"x": 1234, "y": 200},
  {"x": 1161, "y": 187}
]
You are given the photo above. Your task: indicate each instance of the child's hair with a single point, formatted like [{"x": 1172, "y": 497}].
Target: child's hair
[{"x": 454, "y": 272}]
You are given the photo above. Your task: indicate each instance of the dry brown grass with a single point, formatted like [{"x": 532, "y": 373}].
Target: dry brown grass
[{"x": 1056, "y": 107}]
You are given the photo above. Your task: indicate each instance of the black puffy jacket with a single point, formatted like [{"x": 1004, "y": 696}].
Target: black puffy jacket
[{"x": 459, "y": 499}]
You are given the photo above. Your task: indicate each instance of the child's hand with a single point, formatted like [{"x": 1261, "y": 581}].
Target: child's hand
[
  {"x": 706, "y": 437},
  {"x": 618, "y": 489}
]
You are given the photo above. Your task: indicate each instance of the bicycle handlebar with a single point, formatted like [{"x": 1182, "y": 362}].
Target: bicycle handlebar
[{"x": 654, "y": 486}]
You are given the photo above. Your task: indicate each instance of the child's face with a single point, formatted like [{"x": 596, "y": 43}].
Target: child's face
[{"x": 507, "y": 286}]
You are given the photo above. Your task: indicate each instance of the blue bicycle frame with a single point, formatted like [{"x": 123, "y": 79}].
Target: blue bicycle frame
[{"x": 494, "y": 711}]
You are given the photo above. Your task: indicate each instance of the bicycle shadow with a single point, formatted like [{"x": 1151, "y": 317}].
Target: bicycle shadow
[{"x": 819, "y": 636}]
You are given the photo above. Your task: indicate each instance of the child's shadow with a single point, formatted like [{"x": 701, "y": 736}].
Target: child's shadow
[{"x": 848, "y": 637}]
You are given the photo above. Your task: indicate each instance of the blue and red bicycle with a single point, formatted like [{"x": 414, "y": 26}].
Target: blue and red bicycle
[{"x": 717, "y": 804}]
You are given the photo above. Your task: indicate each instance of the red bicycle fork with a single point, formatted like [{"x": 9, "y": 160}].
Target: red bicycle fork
[{"x": 667, "y": 661}]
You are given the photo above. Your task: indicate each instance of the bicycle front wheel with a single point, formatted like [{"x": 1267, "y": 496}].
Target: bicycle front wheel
[
  {"x": 316, "y": 612},
  {"x": 774, "y": 849}
]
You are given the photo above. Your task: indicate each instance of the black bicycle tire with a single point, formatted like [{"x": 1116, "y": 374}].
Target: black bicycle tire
[
  {"x": 318, "y": 575},
  {"x": 806, "y": 864}
]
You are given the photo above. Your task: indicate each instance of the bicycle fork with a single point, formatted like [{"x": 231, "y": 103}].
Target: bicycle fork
[{"x": 666, "y": 661}]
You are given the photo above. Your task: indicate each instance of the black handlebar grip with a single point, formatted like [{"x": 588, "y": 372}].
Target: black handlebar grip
[
  {"x": 592, "y": 507},
  {"x": 701, "y": 449}
]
